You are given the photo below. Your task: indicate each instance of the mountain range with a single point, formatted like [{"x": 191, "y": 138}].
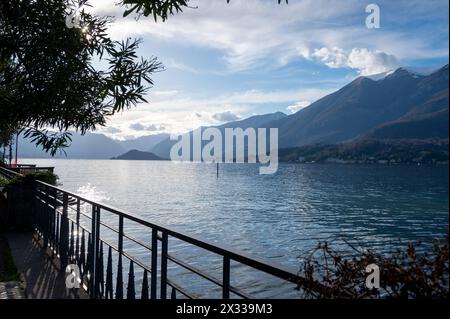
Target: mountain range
[
  {"x": 93, "y": 146},
  {"x": 401, "y": 104},
  {"x": 162, "y": 149}
]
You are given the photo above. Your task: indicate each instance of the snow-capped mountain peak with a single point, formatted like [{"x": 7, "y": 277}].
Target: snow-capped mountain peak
[
  {"x": 380, "y": 76},
  {"x": 415, "y": 72}
]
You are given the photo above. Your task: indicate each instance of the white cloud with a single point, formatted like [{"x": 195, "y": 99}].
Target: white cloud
[
  {"x": 137, "y": 127},
  {"x": 147, "y": 127},
  {"x": 281, "y": 96},
  {"x": 226, "y": 116},
  {"x": 371, "y": 62},
  {"x": 333, "y": 58},
  {"x": 304, "y": 52},
  {"x": 110, "y": 130},
  {"x": 155, "y": 127},
  {"x": 180, "y": 113},
  {"x": 366, "y": 61},
  {"x": 172, "y": 64},
  {"x": 251, "y": 33},
  {"x": 165, "y": 93},
  {"x": 298, "y": 106}
]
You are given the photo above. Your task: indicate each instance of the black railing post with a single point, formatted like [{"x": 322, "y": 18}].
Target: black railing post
[
  {"x": 72, "y": 243},
  {"x": 77, "y": 242},
  {"x": 173, "y": 295},
  {"x": 55, "y": 223},
  {"x": 64, "y": 234},
  {"x": 131, "y": 292},
  {"x": 46, "y": 217},
  {"x": 93, "y": 253},
  {"x": 82, "y": 260},
  {"x": 38, "y": 211},
  {"x": 35, "y": 210},
  {"x": 97, "y": 266},
  {"x": 154, "y": 263},
  {"x": 100, "y": 273},
  {"x": 109, "y": 277},
  {"x": 164, "y": 245},
  {"x": 144, "y": 292},
  {"x": 226, "y": 278},
  {"x": 119, "y": 281},
  {"x": 57, "y": 233},
  {"x": 50, "y": 223},
  {"x": 89, "y": 264}
]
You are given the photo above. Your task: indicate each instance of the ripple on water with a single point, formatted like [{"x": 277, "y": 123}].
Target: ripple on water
[{"x": 280, "y": 217}]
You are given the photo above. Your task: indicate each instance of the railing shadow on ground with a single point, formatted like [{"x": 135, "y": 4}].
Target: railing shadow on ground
[{"x": 41, "y": 272}]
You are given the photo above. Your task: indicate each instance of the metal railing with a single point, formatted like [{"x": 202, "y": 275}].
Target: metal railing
[{"x": 72, "y": 227}]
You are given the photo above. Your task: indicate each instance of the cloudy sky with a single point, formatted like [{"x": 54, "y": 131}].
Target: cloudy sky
[{"x": 225, "y": 62}]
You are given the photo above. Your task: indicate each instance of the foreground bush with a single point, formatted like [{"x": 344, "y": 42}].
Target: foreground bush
[
  {"x": 29, "y": 178},
  {"x": 3, "y": 182},
  {"x": 418, "y": 271},
  {"x": 17, "y": 211}
]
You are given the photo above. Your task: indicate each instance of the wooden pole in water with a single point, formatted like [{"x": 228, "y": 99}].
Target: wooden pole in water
[{"x": 217, "y": 170}]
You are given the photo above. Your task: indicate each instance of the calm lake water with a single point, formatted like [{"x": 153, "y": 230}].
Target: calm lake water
[{"x": 279, "y": 217}]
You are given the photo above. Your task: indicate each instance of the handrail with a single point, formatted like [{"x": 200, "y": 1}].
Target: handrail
[
  {"x": 245, "y": 258},
  {"x": 53, "y": 226},
  {"x": 169, "y": 257},
  {"x": 7, "y": 172}
]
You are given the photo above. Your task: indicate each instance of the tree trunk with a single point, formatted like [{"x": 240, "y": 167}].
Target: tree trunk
[
  {"x": 10, "y": 153},
  {"x": 17, "y": 146}
]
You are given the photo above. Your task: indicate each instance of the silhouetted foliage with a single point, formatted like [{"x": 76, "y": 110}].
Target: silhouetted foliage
[
  {"x": 159, "y": 8},
  {"x": 6, "y": 132},
  {"x": 29, "y": 178},
  {"x": 49, "y": 75},
  {"x": 417, "y": 271}
]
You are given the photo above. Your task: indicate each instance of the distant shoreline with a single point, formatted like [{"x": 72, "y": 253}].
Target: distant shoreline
[{"x": 443, "y": 164}]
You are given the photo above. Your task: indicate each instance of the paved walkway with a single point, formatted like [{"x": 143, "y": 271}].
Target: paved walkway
[{"x": 43, "y": 278}]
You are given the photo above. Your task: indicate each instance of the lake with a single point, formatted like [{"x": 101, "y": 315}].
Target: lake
[{"x": 280, "y": 217}]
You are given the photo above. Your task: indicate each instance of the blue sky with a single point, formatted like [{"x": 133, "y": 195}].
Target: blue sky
[{"x": 225, "y": 62}]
